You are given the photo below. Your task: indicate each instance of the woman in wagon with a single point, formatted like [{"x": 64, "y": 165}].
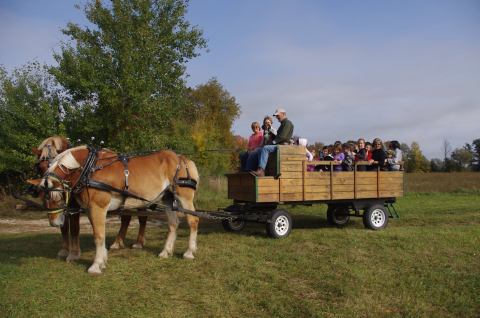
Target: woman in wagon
[
  {"x": 362, "y": 154},
  {"x": 269, "y": 133},
  {"x": 284, "y": 134},
  {"x": 378, "y": 155},
  {"x": 255, "y": 141}
]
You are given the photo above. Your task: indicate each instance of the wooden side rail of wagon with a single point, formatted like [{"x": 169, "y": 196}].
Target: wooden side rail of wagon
[{"x": 347, "y": 193}]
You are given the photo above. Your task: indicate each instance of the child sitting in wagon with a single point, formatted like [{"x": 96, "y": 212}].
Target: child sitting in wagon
[{"x": 348, "y": 161}]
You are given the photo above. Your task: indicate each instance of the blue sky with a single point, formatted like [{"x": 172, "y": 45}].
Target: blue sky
[{"x": 406, "y": 70}]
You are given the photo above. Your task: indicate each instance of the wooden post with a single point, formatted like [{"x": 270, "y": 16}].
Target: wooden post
[
  {"x": 331, "y": 180},
  {"x": 303, "y": 178}
]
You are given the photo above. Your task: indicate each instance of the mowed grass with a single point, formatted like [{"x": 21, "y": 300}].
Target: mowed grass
[{"x": 424, "y": 264}]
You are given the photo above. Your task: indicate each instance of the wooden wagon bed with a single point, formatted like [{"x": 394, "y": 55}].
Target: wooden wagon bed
[{"x": 287, "y": 180}]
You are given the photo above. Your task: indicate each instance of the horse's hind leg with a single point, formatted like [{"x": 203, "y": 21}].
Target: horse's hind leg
[
  {"x": 192, "y": 241},
  {"x": 122, "y": 233},
  {"x": 187, "y": 203},
  {"x": 172, "y": 234},
  {"x": 142, "y": 220},
  {"x": 74, "y": 249}
]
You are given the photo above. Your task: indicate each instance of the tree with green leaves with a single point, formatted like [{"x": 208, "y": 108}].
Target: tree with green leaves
[
  {"x": 463, "y": 157},
  {"x": 476, "y": 154},
  {"x": 213, "y": 111},
  {"x": 125, "y": 74},
  {"x": 31, "y": 109},
  {"x": 416, "y": 160}
]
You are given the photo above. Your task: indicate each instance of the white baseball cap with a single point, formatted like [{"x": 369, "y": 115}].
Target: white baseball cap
[{"x": 278, "y": 111}]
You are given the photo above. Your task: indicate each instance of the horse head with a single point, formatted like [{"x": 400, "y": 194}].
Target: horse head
[{"x": 48, "y": 150}]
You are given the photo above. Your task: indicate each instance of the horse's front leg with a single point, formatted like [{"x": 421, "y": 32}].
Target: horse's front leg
[
  {"x": 98, "y": 216},
  {"x": 74, "y": 248},
  {"x": 64, "y": 250}
]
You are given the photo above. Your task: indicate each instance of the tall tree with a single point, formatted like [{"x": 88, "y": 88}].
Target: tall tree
[
  {"x": 31, "y": 109},
  {"x": 127, "y": 71},
  {"x": 463, "y": 157},
  {"x": 416, "y": 160},
  {"x": 214, "y": 111},
  {"x": 476, "y": 154}
]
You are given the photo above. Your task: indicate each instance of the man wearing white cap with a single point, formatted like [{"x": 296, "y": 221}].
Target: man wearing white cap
[{"x": 284, "y": 134}]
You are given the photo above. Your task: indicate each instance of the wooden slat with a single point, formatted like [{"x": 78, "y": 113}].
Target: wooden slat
[
  {"x": 366, "y": 194},
  {"x": 291, "y": 166},
  {"x": 318, "y": 188},
  {"x": 267, "y": 182},
  {"x": 320, "y": 181},
  {"x": 343, "y": 187},
  {"x": 240, "y": 189},
  {"x": 317, "y": 175},
  {"x": 347, "y": 179},
  {"x": 285, "y": 158},
  {"x": 268, "y": 198},
  {"x": 295, "y": 150},
  {"x": 268, "y": 190},
  {"x": 366, "y": 187},
  {"x": 291, "y": 196},
  {"x": 366, "y": 181},
  {"x": 366, "y": 174},
  {"x": 391, "y": 174},
  {"x": 291, "y": 189},
  {"x": 291, "y": 175},
  {"x": 242, "y": 196},
  {"x": 342, "y": 195},
  {"x": 388, "y": 194},
  {"x": 390, "y": 181},
  {"x": 391, "y": 187},
  {"x": 316, "y": 196},
  {"x": 292, "y": 182}
]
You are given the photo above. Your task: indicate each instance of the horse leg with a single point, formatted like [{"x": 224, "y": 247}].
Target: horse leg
[
  {"x": 64, "y": 250},
  {"x": 172, "y": 234},
  {"x": 74, "y": 250},
  {"x": 122, "y": 233},
  {"x": 98, "y": 218},
  {"x": 193, "y": 224},
  {"x": 142, "y": 220}
]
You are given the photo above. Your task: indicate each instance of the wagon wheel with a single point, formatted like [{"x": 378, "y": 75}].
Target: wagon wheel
[
  {"x": 234, "y": 225},
  {"x": 280, "y": 224},
  {"x": 375, "y": 217},
  {"x": 337, "y": 215}
]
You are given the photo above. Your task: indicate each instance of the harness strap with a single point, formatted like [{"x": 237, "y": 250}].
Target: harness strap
[{"x": 106, "y": 187}]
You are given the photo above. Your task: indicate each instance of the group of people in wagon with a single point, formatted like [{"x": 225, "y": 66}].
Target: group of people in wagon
[{"x": 265, "y": 138}]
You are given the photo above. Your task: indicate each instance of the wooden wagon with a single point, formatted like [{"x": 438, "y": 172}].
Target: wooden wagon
[{"x": 367, "y": 194}]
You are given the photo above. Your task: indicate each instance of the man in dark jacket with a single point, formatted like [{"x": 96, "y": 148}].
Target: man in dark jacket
[{"x": 284, "y": 134}]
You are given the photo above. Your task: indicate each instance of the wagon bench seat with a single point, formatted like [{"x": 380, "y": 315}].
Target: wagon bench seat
[{"x": 288, "y": 180}]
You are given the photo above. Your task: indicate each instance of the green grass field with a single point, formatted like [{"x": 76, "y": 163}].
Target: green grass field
[{"x": 425, "y": 264}]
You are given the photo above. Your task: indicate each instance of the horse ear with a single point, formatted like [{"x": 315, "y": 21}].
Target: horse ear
[
  {"x": 35, "y": 182},
  {"x": 36, "y": 151}
]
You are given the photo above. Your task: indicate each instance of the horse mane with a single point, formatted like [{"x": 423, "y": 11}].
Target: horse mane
[
  {"x": 56, "y": 142},
  {"x": 66, "y": 159}
]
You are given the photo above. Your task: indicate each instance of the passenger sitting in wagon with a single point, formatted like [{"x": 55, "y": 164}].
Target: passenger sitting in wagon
[
  {"x": 362, "y": 154},
  {"x": 255, "y": 141},
  {"x": 378, "y": 155},
  {"x": 269, "y": 133},
  {"x": 284, "y": 134},
  {"x": 326, "y": 155},
  {"x": 347, "y": 164},
  {"x": 338, "y": 157},
  {"x": 396, "y": 161}
]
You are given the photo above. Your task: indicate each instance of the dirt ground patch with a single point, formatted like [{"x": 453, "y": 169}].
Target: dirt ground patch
[{"x": 11, "y": 225}]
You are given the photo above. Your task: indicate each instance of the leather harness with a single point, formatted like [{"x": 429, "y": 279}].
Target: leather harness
[{"x": 85, "y": 181}]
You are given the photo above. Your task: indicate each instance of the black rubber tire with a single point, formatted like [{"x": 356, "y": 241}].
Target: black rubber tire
[
  {"x": 375, "y": 217},
  {"x": 235, "y": 225},
  {"x": 280, "y": 224},
  {"x": 338, "y": 216}
]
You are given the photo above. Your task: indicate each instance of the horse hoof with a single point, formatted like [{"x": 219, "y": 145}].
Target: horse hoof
[
  {"x": 137, "y": 246},
  {"x": 188, "y": 255},
  {"x": 116, "y": 246},
  {"x": 72, "y": 257},
  {"x": 95, "y": 270},
  {"x": 63, "y": 253},
  {"x": 164, "y": 254}
]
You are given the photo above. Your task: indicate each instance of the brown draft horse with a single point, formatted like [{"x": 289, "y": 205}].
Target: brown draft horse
[
  {"x": 152, "y": 177},
  {"x": 70, "y": 247},
  {"x": 46, "y": 152}
]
